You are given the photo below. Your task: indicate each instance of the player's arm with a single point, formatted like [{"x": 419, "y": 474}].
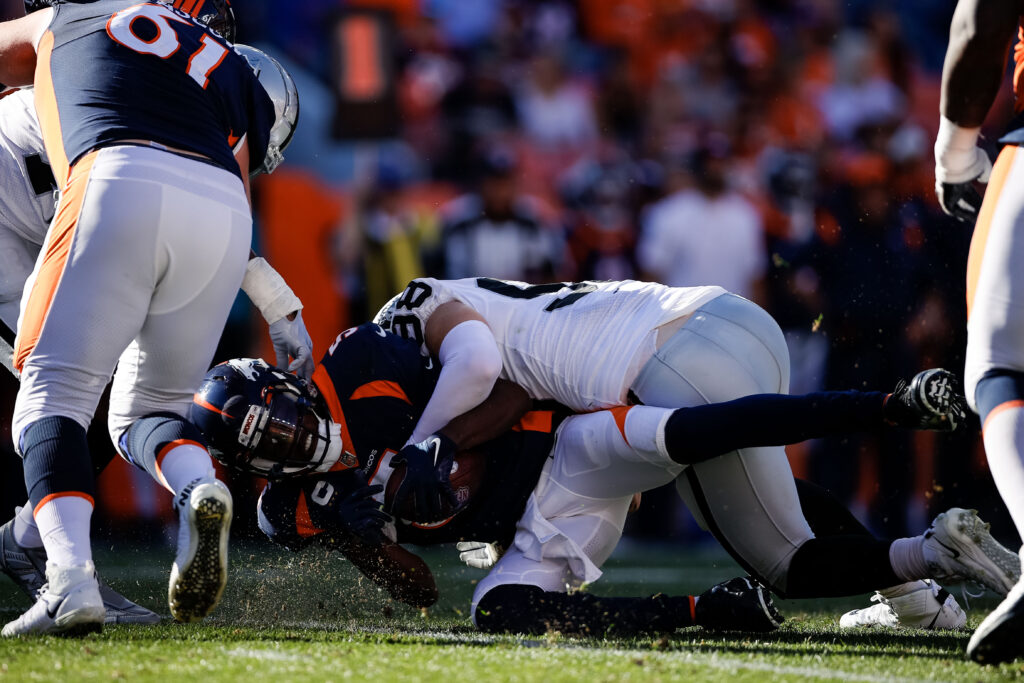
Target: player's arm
[
  {"x": 979, "y": 40},
  {"x": 429, "y": 462},
  {"x": 282, "y": 310},
  {"x": 18, "y": 40},
  {"x": 459, "y": 338},
  {"x": 342, "y": 515}
]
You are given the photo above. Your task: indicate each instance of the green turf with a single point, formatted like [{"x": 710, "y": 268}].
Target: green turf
[{"x": 308, "y": 617}]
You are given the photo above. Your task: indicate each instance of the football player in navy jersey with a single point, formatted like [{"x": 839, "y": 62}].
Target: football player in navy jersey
[
  {"x": 26, "y": 208},
  {"x": 152, "y": 147},
  {"x": 558, "y": 505}
]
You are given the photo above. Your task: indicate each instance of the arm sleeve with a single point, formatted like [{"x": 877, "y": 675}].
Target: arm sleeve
[{"x": 470, "y": 365}]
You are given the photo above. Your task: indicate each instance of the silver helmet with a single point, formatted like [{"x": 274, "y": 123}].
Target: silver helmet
[{"x": 279, "y": 85}]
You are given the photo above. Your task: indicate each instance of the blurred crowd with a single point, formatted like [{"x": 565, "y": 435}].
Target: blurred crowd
[{"x": 779, "y": 148}]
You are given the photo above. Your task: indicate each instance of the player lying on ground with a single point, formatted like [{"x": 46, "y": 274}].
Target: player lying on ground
[{"x": 370, "y": 389}]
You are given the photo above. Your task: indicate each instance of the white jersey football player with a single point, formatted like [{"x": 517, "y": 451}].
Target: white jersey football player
[{"x": 594, "y": 345}]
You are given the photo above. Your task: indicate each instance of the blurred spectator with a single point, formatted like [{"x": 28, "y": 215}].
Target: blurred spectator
[
  {"x": 496, "y": 231},
  {"x": 554, "y": 111},
  {"x": 599, "y": 192},
  {"x": 708, "y": 235},
  {"x": 379, "y": 246},
  {"x": 478, "y": 109},
  {"x": 862, "y": 93}
]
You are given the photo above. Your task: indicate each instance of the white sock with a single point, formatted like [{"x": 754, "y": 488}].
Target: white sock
[
  {"x": 63, "y": 524},
  {"x": 182, "y": 465},
  {"x": 26, "y": 533},
  {"x": 906, "y": 555},
  {"x": 1004, "y": 445},
  {"x": 902, "y": 589}
]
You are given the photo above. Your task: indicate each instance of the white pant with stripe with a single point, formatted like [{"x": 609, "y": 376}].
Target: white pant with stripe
[{"x": 140, "y": 269}]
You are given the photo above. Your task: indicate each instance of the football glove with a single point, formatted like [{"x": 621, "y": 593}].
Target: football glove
[
  {"x": 428, "y": 469},
  {"x": 932, "y": 400},
  {"x": 959, "y": 163},
  {"x": 290, "y": 338},
  {"x": 478, "y": 554},
  {"x": 354, "y": 511}
]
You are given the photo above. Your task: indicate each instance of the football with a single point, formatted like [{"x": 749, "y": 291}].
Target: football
[{"x": 468, "y": 471}]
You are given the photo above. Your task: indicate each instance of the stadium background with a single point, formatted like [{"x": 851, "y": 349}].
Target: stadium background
[{"x": 781, "y": 148}]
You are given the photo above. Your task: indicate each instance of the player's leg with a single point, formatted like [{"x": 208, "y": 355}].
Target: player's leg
[
  {"x": 22, "y": 555},
  {"x": 572, "y": 522},
  {"x": 994, "y": 374},
  {"x": 731, "y": 348},
  {"x": 78, "y": 315},
  {"x": 202, "y": 247},
  {"x": 913, "y": 604}
]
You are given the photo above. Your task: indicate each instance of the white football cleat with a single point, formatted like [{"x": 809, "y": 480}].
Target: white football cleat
[
  {"x": 958, "y": 547},
  {"x": 69, "y": 603},
  {"x": 925, "y": 606},
  {"x": 200, "y": 569},
  {"x": 1000, "y": 636},
  {"x": 27, "y": 568}
]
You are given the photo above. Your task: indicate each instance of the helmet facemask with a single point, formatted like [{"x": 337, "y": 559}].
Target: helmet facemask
[{"x": 283, "y": 436}]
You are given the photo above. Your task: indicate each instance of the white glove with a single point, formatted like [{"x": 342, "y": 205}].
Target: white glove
[
  {"x": 959, "y": 163},
  {"x": 276, "y": 301},
  {"x": 290, "y": 338},
  {"x": 478, "y": 554}
]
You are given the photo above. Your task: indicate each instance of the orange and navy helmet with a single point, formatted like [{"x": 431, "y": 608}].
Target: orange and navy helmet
[{"x": 264, "y": 420}]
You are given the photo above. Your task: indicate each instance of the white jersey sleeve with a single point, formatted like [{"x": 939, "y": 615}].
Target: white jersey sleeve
[
  {"x": 27, "y": 187},
  {"x": 579, "y": 343}
]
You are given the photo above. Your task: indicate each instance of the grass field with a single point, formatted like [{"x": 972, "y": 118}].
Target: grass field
[{"x": 309, "y": 617}]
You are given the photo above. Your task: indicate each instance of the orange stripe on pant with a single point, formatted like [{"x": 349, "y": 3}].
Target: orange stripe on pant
[
  {"x": 981, "y": 229},
  {"x": 58, "y": 250}
]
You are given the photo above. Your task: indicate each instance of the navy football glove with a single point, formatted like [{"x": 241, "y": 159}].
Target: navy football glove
[
  {"x": 428, "y": 469},
  {"x": 353, "y": 510}
]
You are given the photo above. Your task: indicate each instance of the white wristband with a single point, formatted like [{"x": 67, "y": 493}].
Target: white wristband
[
  {"x": 956, "y": 152},
  {"x": 268, "y": 291}
]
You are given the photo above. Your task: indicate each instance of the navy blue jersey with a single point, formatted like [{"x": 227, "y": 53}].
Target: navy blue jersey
[
  {"x": 375, "y": 385},
  {"x": 295, "y": 512},
  {"x": 128, "y": 70}
]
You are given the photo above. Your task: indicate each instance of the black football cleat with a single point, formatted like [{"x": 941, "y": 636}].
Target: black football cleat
[{"x": 740, "y": 604}]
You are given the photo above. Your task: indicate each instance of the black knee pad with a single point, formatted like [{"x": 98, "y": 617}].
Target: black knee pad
[
  {"x": 997, "y": 387},
  {"x": 148, "y": 436}
]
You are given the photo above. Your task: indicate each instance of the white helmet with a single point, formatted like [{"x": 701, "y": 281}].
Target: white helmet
[{"x": 279, "y": 85}]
